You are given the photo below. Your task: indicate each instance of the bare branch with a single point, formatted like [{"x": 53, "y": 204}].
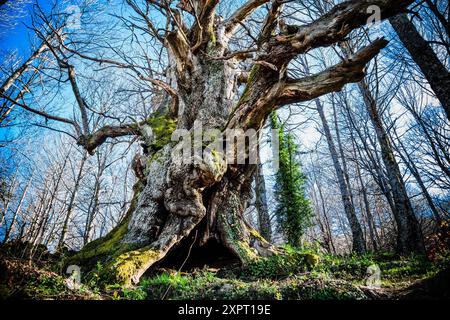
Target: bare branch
[
  {"x": 204, "y": 28},
  {"x": 330, "y": 28},
  {"x": 79, "y": 99},
  {"x": 44, "y": 114},
  {"x": 241, "y": 14},
  {"x": 332, "y": 79},
  {"x": 271, "y": 21},
  {"x": 92, "y": 141},
  {"x": 169, "y": 90}
]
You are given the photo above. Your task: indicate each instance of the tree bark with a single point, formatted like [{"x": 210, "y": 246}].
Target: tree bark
[
  {"x": 423, "y": 55},
  {"x": 173, "y": 199}
]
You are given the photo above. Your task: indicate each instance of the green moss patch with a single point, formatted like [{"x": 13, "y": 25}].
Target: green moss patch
[
  {"x": 287, "y": 263},
  {"x": 20, "y": 279},
  {"x": 127, "y": 264},
  {"x": 162, "y": 127},
  {"x": 293, "y": 275}
]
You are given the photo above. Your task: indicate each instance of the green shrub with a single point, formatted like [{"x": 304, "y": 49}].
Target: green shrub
[{"x": 291, "y": 261}]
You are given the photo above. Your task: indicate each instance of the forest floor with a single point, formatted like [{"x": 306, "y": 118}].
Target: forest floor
[{"x": 296, "y": 275}]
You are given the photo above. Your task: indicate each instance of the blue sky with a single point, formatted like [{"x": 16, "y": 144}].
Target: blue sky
[{"x": 18, "y": 38}]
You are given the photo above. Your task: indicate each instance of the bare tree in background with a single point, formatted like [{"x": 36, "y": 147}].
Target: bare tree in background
[{"x": 422, "y": 53}]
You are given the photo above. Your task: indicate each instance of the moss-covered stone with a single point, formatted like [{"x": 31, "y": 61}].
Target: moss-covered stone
[{"x": 311, "y": 260}]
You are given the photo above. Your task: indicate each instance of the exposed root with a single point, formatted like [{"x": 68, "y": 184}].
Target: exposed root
[{"x": 240, "y": 238}]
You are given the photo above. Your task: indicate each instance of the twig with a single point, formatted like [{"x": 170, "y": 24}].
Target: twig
[{"x": 182, "y": 265}]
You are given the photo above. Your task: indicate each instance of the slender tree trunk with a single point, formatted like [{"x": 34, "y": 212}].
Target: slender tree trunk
[
  {"x": 324, "y": 233},
  {"x": 358, "y": 245},
  {"x": 440, "y": 153},
  {"x": 16, "y": 212},
  {"x": 409, "y": 238},
  {"x": 8, "y": 198},
  {"x": 377, "y": 172},
  {"x": 37, "y": 216},
  {"x": 415, "y": 172},
  {"x": 71, "y": 204},
  {"x": 328, "y": 234},
  {"x": 261, "y": 203},
  {"x": 48, "y": 207},
  {"x": 20, "y": 71},
  {"x": 370, "y": 221},
  {"x": 341, "y": 151},
  {"x": 93, "y": 206},
  {"x": 434, "y": 70}
]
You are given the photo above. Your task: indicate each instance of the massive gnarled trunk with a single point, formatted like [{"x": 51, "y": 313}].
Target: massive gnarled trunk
[
  {"x": 205, "y": 198},
  {"x": 175, "y": 197}
]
